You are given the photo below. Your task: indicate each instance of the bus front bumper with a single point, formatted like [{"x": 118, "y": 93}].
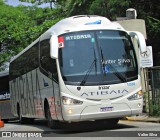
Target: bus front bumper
[{"x": 90, "y": 113}]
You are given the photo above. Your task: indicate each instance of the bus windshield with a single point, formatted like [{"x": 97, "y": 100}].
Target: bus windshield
[{"x": 97, "y": 57}]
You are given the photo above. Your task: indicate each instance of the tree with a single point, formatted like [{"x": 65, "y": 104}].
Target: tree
[
  {"x": 153, "y": 32},
  {"x": 22, "y": 25},
  {"x": 12, "y": 26},
  {"x": 39, "y": 2},
  {"x": 108, "y": 8}
]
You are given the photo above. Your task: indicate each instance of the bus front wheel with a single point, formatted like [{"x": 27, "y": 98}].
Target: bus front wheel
[{"x": 53, "y": 124}]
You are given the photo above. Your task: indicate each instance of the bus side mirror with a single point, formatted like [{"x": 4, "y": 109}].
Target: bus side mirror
[
  {"x": 140, "y": 39},
  {"x": 54, "y": 46}
]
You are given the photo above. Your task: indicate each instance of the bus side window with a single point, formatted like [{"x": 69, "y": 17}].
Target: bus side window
[{"x": 46, "y": 62}]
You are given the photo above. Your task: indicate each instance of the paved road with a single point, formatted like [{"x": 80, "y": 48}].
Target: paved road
[{"x": 140, "y": 130}]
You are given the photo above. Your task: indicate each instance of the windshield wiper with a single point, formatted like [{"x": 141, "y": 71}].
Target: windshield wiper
[
  {"x": 117, "y": 73},
  {"x": 94, "y": 63},
  {"x": 103, "y": 60}
]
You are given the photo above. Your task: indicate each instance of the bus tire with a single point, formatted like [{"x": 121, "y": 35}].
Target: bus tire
[
  {"x": 53, "y": 124},
  {"x": 22, "y": 120}
]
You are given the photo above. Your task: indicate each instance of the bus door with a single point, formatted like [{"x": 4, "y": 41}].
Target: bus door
[{"x": 50, "y": 80}]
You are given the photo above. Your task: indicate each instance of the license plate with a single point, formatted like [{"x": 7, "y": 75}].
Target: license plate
[{"x": 105, "y": 109}]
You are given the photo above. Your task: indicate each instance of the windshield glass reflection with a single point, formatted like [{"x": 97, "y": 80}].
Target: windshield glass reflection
[{"x": 97, "y": 57}]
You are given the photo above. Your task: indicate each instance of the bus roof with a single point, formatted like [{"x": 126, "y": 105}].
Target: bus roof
[{"x": 83, "y": 22}]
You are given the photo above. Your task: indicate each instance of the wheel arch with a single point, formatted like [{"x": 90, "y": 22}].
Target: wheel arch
[
  {"x": 18, "y": 109},
  {"x": 46, "y": 104}
]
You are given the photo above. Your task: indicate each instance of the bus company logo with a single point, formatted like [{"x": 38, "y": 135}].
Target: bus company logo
[
  {"x": 94, "y": 22},
  {"x": 6, "y": 134},
  {"x": 76, "y": 37},
  {"x": 101, "y": 93}
]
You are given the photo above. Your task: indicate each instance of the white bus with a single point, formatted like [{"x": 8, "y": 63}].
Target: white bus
[
  {"x": 5, "y": 103},
  {"x": 83, "y": 68}
]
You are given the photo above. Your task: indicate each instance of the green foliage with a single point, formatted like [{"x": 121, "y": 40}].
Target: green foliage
[
  {"x": 11, "y": 26},
  {"x": 151, "y": 106},
  {"x": 106, "y": 8},
  {"x": 22, "y": 25},
  {"x": 154, "y": 109},
  {"x": 96, "y": 10},
  {"x": 153, "y": 32},
  {"x": 153, "y": 25},
  {"x": 75, "y": 7}
]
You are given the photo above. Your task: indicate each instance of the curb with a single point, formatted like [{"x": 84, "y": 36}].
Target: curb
[{"x": 144, "y": 119}]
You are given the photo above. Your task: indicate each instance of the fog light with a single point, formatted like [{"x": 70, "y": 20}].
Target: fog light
[{"x": 70, "y": 111}]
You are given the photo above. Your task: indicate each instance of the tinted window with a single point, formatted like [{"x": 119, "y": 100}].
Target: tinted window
[
  {"x": 48, "y": 64},
  {"x": 27, "y": 62}
]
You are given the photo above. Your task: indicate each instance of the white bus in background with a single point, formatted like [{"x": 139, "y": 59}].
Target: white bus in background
[
  {"x": 83, "y": 68},
  {"x": 5, "y": 103}
]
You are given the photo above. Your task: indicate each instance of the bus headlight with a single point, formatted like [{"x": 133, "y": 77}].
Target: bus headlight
[
  {"x": 136, "y": 96},
  {"x": 70, "y": 101}
]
